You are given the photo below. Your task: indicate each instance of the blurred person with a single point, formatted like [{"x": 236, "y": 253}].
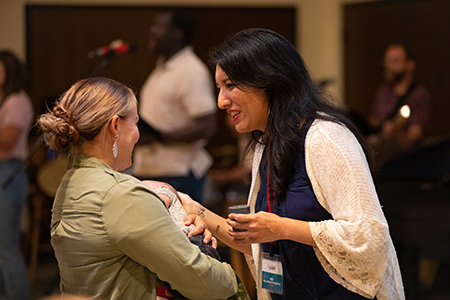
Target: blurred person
[
  {"x": 177, "y": 108},
  {"x": 400, "y": 117},
  {"x": 239, "y": 173},
  {"x": 16, "y": 116},
  {"x": 316, "y": 228},
  {"x": 401, "y": 107},
  {"x": 113, "y": 236}
]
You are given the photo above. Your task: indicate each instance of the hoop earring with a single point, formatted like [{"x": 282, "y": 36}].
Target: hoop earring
[{"x": 115, "y": 148}]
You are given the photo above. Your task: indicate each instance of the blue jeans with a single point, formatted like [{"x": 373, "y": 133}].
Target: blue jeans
[
  {"x": 13, "y": 272},
  {"x": 185, "y": 184}
]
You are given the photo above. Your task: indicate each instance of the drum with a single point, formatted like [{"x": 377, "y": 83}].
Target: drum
[{"x": 50, "y": 174}]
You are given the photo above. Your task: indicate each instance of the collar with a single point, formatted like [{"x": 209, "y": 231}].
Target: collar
[{"x": 83, "y": 161}]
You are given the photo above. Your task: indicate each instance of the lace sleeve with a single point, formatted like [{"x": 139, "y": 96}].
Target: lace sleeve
[{"x": 353, "y": 246}]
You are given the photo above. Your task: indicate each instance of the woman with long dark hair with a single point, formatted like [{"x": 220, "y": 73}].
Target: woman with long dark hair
[
  {"x": 16, "y": 115},
  {"x": 316, "y": 228}
]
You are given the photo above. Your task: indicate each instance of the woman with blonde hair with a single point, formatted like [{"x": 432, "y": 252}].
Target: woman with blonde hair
[{"x": 113, "y": 236}]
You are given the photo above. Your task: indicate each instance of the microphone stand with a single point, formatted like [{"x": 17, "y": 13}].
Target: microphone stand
[
  {"x": 96, "y": 72},
  {"x": 103, "y": 63}
]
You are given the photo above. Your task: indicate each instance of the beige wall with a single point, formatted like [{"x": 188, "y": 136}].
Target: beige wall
[{"x": 320, "y": 28}]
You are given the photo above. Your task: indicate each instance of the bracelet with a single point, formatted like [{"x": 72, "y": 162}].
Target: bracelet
[{"x": 165, "y": 191}]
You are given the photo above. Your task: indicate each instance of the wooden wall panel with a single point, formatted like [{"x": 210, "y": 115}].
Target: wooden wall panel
[{"x": 59, "y": 38}]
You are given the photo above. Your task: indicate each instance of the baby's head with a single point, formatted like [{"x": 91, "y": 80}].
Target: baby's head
[{"x": 155, "y": 185}]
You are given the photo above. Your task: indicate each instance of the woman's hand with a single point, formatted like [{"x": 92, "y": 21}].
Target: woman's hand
[
  {"x": 195, "y": 215},
  {"x": 264, "y": 227},
  {"x": 213, "y": 223},
  {"x": 200, "y": 228},
  {"x": 190, "y": 206},
  {"x": 261, "y": 227}
]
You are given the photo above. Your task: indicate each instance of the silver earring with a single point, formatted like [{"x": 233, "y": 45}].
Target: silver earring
[{"x": 115, "y": 147}]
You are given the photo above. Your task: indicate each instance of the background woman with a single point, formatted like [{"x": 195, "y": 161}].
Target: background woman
[
  {"x": 113, "y": 237},
  {"x": 316, "y": 230},
  {"x": 16, "y": 115}
]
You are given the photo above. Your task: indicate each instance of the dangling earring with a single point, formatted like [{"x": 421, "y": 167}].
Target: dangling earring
[{"x": 115, "y": 147}]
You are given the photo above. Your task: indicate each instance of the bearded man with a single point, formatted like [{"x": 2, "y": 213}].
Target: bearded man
[{"x": 401, "y": 107}]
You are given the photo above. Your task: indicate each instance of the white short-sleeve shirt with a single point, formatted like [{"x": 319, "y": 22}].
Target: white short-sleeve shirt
[{"x": 176, "y": 92}]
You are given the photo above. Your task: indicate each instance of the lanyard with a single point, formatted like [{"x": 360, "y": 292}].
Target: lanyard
[{"x": 269, "y": 208}]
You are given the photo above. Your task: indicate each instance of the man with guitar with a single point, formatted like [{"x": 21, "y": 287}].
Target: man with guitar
[{"x": 401, "y": 108}]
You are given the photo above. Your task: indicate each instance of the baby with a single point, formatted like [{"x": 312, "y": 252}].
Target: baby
[
  {"x": 178, "y": 214},
  {"x": 176, "y": 210}
]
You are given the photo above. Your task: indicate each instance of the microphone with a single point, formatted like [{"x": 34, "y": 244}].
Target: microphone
[{"x": 116, "y": 46}]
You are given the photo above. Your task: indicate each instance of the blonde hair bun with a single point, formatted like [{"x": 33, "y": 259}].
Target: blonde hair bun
[
  {"x": 60, "y": 132},
  {"x": 83, "y": 110}
]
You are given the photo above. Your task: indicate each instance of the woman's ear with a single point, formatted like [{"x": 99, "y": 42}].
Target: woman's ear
[{"x": 114, "y": 125}]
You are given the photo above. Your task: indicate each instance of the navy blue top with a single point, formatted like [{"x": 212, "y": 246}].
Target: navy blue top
[{"x": 303, "y": 275}]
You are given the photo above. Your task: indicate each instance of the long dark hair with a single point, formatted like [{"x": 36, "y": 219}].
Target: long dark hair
[
  {"x": 16, "y": 78},
  {"x": 265, "y": 60}
]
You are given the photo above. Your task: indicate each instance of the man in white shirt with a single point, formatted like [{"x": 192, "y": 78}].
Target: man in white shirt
[{"x": 177, "y": 104}]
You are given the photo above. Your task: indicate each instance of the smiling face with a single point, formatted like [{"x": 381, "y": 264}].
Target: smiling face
[{"x": 247, "y": 107}]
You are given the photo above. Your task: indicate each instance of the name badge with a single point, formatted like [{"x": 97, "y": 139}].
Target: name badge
[{"x": 272, "y": 273}]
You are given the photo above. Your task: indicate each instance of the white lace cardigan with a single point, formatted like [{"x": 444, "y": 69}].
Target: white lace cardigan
[{"x": 355, "y": 247}]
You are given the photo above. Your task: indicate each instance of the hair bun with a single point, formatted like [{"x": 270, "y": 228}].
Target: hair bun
[
  {"x": 65, "y": 127},
  {"x": 59, "y": 129},
  {"x": 81, "y": 113},
  {"x": 60, "y": 112}
]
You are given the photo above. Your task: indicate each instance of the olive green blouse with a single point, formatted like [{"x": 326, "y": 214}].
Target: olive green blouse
[{"x": 114, "y": 239}]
